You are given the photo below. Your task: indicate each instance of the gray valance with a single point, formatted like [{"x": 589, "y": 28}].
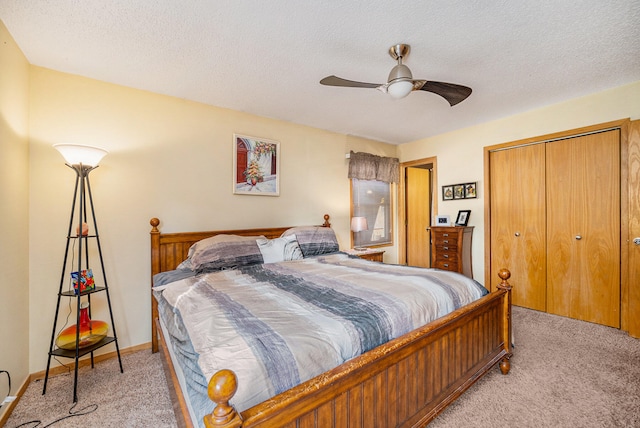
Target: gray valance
[{"x": 365, "y": 166}]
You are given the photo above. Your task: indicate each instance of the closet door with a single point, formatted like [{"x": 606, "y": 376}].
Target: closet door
[
  {"x": 583, "y": 228},
  {"x": 518, "y": 225}
]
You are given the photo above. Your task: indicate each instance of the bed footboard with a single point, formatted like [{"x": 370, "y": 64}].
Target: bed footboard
[{"x": 405, "y": 382}]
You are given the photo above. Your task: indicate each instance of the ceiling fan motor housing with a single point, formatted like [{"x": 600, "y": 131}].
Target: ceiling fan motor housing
[{"x": 400, "y": 72}]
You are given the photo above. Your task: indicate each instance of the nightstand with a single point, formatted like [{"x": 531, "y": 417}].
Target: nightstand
[{"x": 368, "y": 254}]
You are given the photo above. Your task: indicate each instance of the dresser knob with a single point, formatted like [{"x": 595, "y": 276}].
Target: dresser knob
[{"x": 446, "y": 256}]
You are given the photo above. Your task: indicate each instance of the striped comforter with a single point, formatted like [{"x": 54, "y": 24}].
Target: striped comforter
[{"x": 279, "y": 324}]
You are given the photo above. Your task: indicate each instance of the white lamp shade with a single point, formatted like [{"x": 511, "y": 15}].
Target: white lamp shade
[
  {"x": 75, "y": 154},
  {"x": 400, "y": 88},
  {"x": 358, "y": 224}
]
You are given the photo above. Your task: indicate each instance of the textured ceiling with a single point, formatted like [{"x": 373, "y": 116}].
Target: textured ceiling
[{"x": 267, "y": 57}]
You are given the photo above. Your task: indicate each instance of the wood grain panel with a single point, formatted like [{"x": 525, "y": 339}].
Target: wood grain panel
[
  {"x": 634, "y": 229},
  {"x": 583, "y": 228},
  {"x": 518, "y": 222},
  {"x": 418, "y": 200}
]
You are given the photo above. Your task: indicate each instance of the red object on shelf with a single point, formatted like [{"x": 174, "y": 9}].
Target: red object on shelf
[{"x": 91, "y": 332}]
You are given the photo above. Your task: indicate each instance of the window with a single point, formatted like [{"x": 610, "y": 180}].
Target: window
[{"x": 371, "y": 199}]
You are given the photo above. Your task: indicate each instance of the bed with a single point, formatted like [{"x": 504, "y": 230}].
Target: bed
[{"x": 406, "y": 380}]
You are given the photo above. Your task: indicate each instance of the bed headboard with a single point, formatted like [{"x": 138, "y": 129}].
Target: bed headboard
[{"x": 168, "y": 250}]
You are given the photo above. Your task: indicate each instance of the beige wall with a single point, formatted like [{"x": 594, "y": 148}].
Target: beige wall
[
  {"x": 460, "y": 153},
  {"x": 168, "y": 158},
  {"x": 14, "y": 212}
]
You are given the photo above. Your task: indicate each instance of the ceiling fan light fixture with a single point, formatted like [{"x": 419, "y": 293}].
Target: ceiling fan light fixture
[
  {"x": 400, "y": 88},
  {"x": 400, "y": 81}
]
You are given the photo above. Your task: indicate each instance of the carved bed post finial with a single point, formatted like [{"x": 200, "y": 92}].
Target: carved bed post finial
[
  {"x": 154, "y": 222},
  {"x": 222, "y": 386},
  {"x": 505, "y": 364},
  {"x": 326, "y": 221},
  {"x": 504, "y": 275}
]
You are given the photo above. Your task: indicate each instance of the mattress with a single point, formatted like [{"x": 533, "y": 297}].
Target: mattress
[{"x": 279, "y": 324}]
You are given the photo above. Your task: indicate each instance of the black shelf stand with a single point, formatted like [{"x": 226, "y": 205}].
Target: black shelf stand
[{"x": 82, "y": 190}]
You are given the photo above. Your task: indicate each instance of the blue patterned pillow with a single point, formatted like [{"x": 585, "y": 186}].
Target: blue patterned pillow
[{"x": 314, "y": 240}]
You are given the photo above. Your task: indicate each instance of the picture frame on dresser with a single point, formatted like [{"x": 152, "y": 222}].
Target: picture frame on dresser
[
  {"x": 443, "y": 220},
  {"x": 463, "y": 217}
]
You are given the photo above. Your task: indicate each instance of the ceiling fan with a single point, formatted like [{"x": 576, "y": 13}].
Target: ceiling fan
[{"x": 401, "y": 83}]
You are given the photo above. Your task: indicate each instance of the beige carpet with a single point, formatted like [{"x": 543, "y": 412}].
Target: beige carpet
[
  {"x": 565, "y": 373},
  {"x": 106, "y": 398}
]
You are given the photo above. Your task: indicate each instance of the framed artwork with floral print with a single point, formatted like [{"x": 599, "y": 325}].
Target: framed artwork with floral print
[{"x": 256, "y": 166}]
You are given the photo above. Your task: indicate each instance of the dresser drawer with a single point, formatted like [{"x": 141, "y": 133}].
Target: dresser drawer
[
  {"x": 447, "y": 248},
  {"x": 451, "y": 265},
  {"x": 441, "y": 256}
]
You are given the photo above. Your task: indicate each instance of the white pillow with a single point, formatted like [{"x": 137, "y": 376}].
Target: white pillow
[{"x": 279, "y": 249}]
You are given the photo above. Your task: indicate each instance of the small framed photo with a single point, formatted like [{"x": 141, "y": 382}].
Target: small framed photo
[
  {"x": 470, "y": 191},
  {"x": 256, "y": 166},
  {"x": 443, "y": 220},
  {"x": 458, "y": 191},
  {"x": 463, "y": 217},
  {"x": 447, "y": 193}
]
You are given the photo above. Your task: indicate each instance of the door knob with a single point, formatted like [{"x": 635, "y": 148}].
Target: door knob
[
  {"x": 636, "y": 241},
  {"x": 517, "y": 233},
  {"x": 578, "y": 237}
]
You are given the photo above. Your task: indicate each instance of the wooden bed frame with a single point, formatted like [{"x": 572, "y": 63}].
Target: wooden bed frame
[{"x": 406, "y": 382}]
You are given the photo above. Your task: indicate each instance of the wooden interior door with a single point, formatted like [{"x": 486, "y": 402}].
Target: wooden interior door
[
  {"x": 518, "y": 222},
  {"x": 418, "y": 216},
  {"x": 583, "y": 228}
]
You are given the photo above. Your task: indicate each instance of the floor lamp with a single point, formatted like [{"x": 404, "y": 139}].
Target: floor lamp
[{"x": 83, "y": 160}]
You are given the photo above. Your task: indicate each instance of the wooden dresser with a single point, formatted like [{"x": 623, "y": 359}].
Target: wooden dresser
[{"x": 451, "y": 248}]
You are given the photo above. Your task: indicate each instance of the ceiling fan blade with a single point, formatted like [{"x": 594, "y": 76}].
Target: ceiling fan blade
[
  {"x": 453, "y": 93},
  {"x": 338, "y": 81}
]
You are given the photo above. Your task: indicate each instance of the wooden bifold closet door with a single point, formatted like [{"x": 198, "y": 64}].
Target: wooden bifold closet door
[
  {"x": 518, "y": 222},
  {"x": 555, "y": 222},
  {"x": 583, "y": 228}
]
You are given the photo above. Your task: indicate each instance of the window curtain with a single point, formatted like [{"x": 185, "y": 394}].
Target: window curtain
[{"x": 365, "y": 166}]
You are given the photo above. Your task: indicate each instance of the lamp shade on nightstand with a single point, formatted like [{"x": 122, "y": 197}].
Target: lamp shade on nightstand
[
  {"x": 358, "y": 224},
  {"x": 75, "y": 154}
]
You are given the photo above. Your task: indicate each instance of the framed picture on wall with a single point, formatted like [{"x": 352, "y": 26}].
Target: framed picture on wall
[
  {"x": 470, "y": 190},
  {"x": 256, "y": 166},
  {"x": 447, "y": 192},
  {"x": 463, "y": 217},
  {"x": 458, "y": 191}
]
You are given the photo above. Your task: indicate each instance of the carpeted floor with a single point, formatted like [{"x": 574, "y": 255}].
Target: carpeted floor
[
  {"x": 106, "y": 398},
  {"x": 564, "y": 373}
]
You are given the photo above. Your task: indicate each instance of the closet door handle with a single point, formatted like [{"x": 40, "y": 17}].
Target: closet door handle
[
  {"x": 517, "y": 234},
  {"x": 578, "y": 237}
]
